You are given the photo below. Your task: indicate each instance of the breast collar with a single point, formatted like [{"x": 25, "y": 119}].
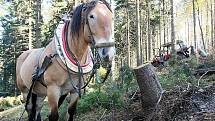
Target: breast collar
[{"x": 60, "y": 43}]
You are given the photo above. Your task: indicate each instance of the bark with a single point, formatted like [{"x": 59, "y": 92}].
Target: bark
[
  {"x": 76, "y": 2},
  {"x": 200, "y": 26},
  {"x": 159, "y": 34},
  {"x": 113, "y": 34},
  {"x": 150, "y": 88},
  {"x": 128, "y": 37},
  {"x": 194, "y": 24},
  {"x": 212, "y": 25},
  {"x": 38, "y": 23},
  {"x": 188, "y": 32},
  {"x": 164, "y": 23},
  {"x": 148, "y": 28},
  {"x": 138, "y": 33},
  {"x": 30, "y": 40},
  {"x": 172, "y": 28},
  {"x": 207, "y": 27},
  {"x": 141, "y": 37}
]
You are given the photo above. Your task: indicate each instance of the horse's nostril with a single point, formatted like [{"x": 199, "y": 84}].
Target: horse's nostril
[
  {"x": 106, "y": 58},
  {"x": 104, "y": 51}
]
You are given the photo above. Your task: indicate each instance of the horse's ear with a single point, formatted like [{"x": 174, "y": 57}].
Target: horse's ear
[{"x": 107, "y": 4}]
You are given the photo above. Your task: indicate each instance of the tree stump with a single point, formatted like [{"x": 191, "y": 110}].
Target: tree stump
[{"x": 150, "y": 88}]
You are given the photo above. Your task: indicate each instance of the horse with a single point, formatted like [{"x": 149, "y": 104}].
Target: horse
[{"x": 69, "y": 56}]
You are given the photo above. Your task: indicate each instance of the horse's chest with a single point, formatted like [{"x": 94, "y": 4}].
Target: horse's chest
[
  {"x": 67, "y": 87},
  {"x": 71, "y": 84}
]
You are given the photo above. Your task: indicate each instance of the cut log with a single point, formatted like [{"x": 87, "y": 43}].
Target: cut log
[
  {"x": 206, "y": 71},
  {"x": 150, "y": 88}
]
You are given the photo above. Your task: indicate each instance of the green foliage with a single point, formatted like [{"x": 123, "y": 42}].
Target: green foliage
[
  {"x": 126, "y": 77},
  {"x": 180, "y": 72},
  {"x": 110, "y": 95},
  {"x": 92, "y": 100}
]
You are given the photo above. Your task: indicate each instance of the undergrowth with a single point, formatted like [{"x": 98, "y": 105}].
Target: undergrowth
[
  {"x": 111, "y": 94},
  {"x": 114, "y": 93},
  {"x": 181, "y": 72}
]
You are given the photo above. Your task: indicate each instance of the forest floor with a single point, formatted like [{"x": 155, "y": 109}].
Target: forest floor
[{"x": 177, "y": 104}]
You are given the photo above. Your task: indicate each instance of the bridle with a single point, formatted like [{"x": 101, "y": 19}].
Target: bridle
[
  {"x": 87, "y": 7},
  {"x": 86, "y": 10}
]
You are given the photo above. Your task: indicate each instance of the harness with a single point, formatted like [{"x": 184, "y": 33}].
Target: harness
[{"x": 96, "y": 58}]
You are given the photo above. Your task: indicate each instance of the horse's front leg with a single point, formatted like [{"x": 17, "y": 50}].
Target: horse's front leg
[
  {"x": 72, "y": 106},
  {"x": 53, "y": 93}
]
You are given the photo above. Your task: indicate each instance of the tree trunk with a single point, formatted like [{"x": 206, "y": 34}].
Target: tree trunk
[
  {"x": 188, "y": 32},
  {"x": 194, "y": 24},
  {"x": 150, "y": 88},
  {"x": 213, "y": 43},
  {"x": 113, "y": 34},
  {"x": 159, "y": 34},
  {"x": 164, "y": 23},
  {"x": 38, "y": 22},
  {"x": 207, "y": 27},
  {"x": 128, "y": 36},
  {"x": 148, "y": 28},
  {"x": 76, "y": 2},
  {"x": 30, "y": 40},
  {"x": 172, "y": 28},
  {"x": 200, "y": 26},
  {"x": 138, "y": 33},
  {"x": 212, "y": 25}
]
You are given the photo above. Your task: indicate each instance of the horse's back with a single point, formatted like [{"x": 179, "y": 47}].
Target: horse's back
[{"x": 25, "y": 66}]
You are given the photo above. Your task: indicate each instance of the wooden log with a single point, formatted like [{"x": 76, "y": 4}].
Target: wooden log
[
  {"x": 206, "y": 71},
  {"x": 150, "y": 88}
]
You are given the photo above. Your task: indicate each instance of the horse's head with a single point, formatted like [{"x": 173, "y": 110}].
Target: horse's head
[{"x": 97, "y": 22}]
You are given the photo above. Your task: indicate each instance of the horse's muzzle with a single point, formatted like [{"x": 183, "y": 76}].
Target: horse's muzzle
[{"x": 107, "y": 53}]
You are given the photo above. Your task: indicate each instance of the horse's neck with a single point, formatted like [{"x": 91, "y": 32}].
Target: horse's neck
[{"x": 79, "y": 47}]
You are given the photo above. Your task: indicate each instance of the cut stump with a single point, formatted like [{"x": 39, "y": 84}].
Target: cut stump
[{"x": 150, "y": 88}]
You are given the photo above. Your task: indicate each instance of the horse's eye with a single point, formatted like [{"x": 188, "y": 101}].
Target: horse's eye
[{"x": 91, "y": 16}]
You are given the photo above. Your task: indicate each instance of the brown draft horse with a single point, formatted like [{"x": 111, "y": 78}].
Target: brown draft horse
[{"x": 90, "y": 20}]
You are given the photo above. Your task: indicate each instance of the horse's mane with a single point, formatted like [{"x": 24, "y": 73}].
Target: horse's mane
[
  {"x": 77, "y": 15},
  {"x": 76, "y": 20}
]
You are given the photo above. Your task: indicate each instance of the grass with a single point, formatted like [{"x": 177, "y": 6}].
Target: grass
[{"x": 13, "y": 114}]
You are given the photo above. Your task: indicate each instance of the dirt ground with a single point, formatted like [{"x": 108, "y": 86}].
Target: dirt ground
[{"x": 178, "y": 104}]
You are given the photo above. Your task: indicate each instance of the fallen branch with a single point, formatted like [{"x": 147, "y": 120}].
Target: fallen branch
[
  {"x": 208, "y": 71},
  {"x": 102, "y": 115},
  {"x": 202, "y": 77}
]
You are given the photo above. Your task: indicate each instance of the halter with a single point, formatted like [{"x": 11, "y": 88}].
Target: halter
[{"x": 87, "y": 7}]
